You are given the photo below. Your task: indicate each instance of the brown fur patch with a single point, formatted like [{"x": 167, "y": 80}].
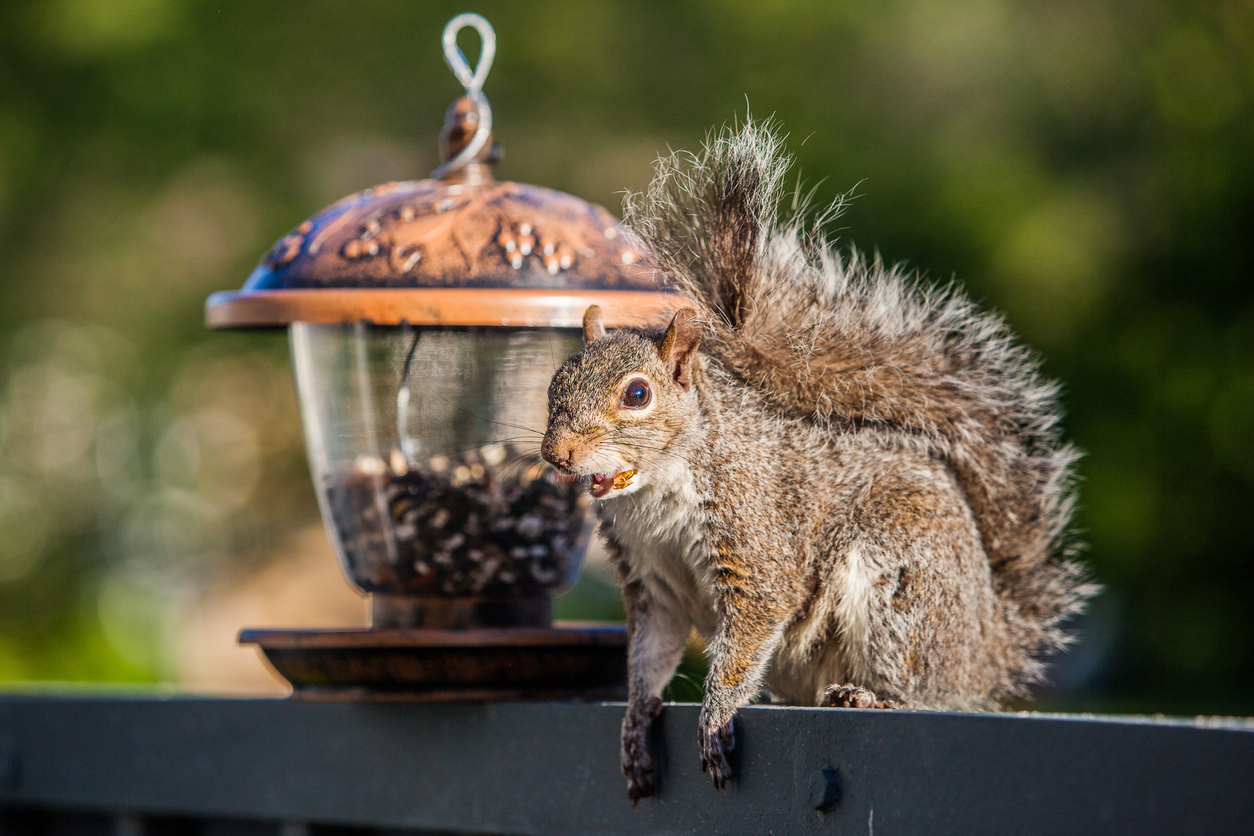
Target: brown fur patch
[
  {"x": 904, "y": 596},
  {"x": 809, "y": 589}
]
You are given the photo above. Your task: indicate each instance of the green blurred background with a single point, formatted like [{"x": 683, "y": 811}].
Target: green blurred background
[{"x": 1085, "y": 167}]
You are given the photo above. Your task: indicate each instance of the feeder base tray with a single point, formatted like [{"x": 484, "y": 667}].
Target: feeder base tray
[{"x": 572, "y": 660}]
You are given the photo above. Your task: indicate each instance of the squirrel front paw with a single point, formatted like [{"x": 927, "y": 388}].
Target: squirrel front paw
[
  {"x": 716, "y": 741},
  {"x": 637, "y": 763},
  {"x": 851, "y": 696}
]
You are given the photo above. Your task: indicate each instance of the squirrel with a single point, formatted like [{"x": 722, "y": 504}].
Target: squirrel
[{"x": 852, "y": 485}]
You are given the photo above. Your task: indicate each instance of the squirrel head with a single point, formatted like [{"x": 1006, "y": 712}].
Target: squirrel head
[{"x": 616, "y": 406}]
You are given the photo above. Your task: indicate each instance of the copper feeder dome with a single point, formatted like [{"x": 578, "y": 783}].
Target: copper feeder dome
[
  {"x": 458, "y": 249},
  {"x": 425, "y": 318}
]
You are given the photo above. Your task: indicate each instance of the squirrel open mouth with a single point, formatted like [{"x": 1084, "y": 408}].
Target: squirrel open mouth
[{"x": 603, "y": 483}]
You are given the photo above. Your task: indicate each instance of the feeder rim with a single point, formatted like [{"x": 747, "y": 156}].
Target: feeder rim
[{"x": 491, "y": 307}]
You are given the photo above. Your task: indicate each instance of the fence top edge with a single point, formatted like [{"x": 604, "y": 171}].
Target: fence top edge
[{"x": 134, "y": 696}]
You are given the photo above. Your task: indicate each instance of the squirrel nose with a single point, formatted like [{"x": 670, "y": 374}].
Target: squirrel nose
[{"x": 555, "y": 452}]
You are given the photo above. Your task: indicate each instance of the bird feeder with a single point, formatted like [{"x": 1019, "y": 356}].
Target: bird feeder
[{"x": 426, "y": 319}]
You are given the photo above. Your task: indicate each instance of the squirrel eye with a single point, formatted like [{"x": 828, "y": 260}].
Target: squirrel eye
[{"x": 637, "y": 394}]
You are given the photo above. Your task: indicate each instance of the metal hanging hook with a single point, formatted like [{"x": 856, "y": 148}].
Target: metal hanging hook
[{"x": 472, "y": 80}]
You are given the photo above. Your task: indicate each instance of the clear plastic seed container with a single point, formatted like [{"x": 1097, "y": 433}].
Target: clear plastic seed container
[{"x": 425, "y": 449}]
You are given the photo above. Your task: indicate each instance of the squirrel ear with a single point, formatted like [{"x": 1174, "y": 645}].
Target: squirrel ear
[
  {"x": 679, "y": 346},
  {"x": 593, "y": 324}
]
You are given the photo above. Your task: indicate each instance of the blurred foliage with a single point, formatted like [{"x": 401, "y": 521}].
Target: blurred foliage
[{"x": 1084, "y": 167}]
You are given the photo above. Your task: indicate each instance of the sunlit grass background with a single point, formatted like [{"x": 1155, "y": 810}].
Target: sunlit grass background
[{"x": 1084, "y": 167}]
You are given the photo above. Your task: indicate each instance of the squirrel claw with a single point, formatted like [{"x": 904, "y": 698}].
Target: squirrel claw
[
  {"x": 715, "y": 744},
  {"x": 637, "y": 766},
  {"x": 636, "y": 762},
  {"x": 638, "y": 787}
]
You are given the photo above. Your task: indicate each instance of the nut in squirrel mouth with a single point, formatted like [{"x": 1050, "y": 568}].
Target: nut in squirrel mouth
[{"x": 603, "y": 483}]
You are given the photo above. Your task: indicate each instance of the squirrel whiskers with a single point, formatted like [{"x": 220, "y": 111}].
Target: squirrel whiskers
[{"x": 853, "y": 486}]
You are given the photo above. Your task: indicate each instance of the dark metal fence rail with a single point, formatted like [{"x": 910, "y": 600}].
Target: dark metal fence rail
[{"x": 157, "y": 767}]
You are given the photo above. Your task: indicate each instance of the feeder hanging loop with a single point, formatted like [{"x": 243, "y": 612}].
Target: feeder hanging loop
[{"x": 472, "y": 80}]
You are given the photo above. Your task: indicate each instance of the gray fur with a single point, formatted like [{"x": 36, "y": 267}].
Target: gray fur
[{"x": 855, "y": 488}]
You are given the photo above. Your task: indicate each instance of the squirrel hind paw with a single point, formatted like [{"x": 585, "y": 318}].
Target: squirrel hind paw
[{"x": 852, "y": 696}]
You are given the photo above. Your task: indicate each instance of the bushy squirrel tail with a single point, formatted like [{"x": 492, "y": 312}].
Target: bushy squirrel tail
[{"x": 849, "y": 342}]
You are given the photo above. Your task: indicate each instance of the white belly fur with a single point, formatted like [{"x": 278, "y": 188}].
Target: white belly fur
[{"x": 663, "y": 546}]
